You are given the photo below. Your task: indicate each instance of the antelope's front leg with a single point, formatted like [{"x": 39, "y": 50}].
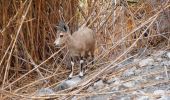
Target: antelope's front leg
[
  {"x": 72, "y": 69},
  {"x": 81, "y": 67}
]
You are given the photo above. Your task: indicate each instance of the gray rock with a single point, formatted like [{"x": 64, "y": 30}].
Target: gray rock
[
  {"x": 61, "y": 86},
  {"x": 125, "y": 98},
  {"x": 159, "y": 92},
  {"x": 117, "y": 81},
  {"x": 98, "y": 97},
  {"x": 134, "y": 93},
  {"x": 159, "y": 77},
  {"x": 140, "y": 79},
  {"x": 130, "y": 84},
  {"x": 168, "y": 54},
  {"x": 98, "y": 84},
  {"x": 90, "y": 89},
  {"x": 143, "y": 98},
  {"x": 67, "y": 83},
  {"x": 73, "y": 81},
  {"x": 158, "y": 53},
  {"x": 115, "y": 89},
  {"x": 136, "y": 60},
  {"x": 74, "y": 98},
  {"x": 164, "y": 97},
  {"x": 44, "y": 91},
  {"x": 122, "y": 87},
  {"x": 165, "y": 63},
  {"x": 112, "y": 80},
  {"x": 159, "y": 59},
  {"x": 77, "y": 98},
  {"x": 128, "y": 61},
  {"x": 145, "y": 62},
  {"x": 137, "y": 71},
  {"x": 129, "y": 72}
]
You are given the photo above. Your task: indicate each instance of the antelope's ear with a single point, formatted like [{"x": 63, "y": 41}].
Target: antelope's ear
[{"x": 58, "y": 28}]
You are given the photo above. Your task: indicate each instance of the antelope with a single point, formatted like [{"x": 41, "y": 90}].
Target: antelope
[{"x": 81, "y": 44}]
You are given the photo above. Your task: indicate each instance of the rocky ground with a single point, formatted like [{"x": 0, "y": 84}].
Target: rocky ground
[{"x": 147, "y": 78}]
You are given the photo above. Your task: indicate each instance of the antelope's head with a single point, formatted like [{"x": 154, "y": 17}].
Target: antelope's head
[{"x": 62, "y": 34}]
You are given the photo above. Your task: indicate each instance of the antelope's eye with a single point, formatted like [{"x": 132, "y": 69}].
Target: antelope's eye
[{"x": 61, "y": 35}]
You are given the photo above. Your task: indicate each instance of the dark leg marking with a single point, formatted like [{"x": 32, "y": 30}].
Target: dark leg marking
[{"x": 92, "y": 58}]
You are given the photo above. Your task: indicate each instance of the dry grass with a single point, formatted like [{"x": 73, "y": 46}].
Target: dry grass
[{"x": 29, "y": 60}]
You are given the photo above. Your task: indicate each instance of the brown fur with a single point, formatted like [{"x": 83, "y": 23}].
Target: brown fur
[{"x": 81, "y": 42}]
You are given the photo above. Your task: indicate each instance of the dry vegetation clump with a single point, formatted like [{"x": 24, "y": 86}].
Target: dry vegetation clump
[{"x": 29, "y": 59}]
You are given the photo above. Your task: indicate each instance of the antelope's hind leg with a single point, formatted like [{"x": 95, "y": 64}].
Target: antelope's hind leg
[{"x": 92, "y": 56}]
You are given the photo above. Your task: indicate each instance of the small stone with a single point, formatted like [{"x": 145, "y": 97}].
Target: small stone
[
  {"x": 136, "y": 60},
  {"x": 159, "y": 59},
  {"x": 112, "y": 80},
  {"x": 141, "y": 92},
  {"x": 143, "y": 98},
  {"x": 74, "y": 98},
  {"x": 134, "y": 92},
  {"x": 140, "y": 79},
  {"x": 98, "y": 84},
  {"x": 117, "y": 81},
  {"x": 129, "y": 72},
  {"x": 137, "y": 71},
  {"x": 159, "y": 77},
  {"x": 159, "y": 92},
  {"x": 115, "y": 88},
  {"x": 90, "y": 89},
  {"x": 130, "y": 84},
  {"x": 145, "y": 62},
  {"x": 122, "y": 87},
  {"x": 168, "y": 55}
]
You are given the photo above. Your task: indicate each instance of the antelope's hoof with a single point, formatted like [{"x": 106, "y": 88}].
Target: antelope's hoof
[
  {"x": 69, "y": 78},
  {"x": 81, "y": 76},
  {"x": 92, "y": 63}
]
